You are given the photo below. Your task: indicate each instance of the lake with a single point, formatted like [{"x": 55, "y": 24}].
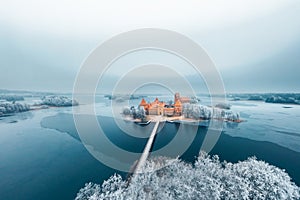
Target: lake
[{"x": 42, "y": 157}]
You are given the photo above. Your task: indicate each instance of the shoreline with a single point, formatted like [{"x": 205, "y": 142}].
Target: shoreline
[
  {"x": 155, "y": 118},
  {"x": 33, "y": 108}
]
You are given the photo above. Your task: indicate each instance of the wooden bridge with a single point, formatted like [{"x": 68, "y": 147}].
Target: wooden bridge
[
  {"x": 138, "y": 165},
  {"x": 147, "y": 149}
]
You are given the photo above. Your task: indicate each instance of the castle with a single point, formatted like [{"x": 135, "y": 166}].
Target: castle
[{"x": 161, "y": 108}]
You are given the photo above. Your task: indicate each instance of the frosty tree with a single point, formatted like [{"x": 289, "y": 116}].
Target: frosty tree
[{"x": 207, "y": 179}]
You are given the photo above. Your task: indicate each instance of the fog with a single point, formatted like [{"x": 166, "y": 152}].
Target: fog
[{"x": 255, "y": 45}]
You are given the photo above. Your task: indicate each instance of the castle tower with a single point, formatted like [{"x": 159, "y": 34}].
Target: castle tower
[
  {"x": 144, "y": 104},
  {"x": 176, "y": 97},
  {"x": 178, "y": 108}
]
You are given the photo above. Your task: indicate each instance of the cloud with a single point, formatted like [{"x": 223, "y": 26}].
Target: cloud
[{"x": 43, "y": 43}]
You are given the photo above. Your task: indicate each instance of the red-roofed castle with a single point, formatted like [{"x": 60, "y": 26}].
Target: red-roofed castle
[{"x": 161, "y": 108}]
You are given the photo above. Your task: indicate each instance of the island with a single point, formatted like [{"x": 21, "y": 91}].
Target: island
[{"x": 182, "y": 109}]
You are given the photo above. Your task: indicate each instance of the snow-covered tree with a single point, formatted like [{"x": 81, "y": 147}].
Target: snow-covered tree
[
  {"x": 197, "y": 111},
  {"x": 141, "y": 113},
  {"x": 59, "y": 101},
  {"x": 13, "y": 107},
  {"x": 126, "y": 111},
  {"x": 208, "y": 178}
]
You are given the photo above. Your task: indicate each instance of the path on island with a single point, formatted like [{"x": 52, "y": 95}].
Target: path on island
[{"x": 146, "y": 152}]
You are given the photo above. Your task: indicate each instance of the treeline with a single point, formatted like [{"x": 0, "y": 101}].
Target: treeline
[
  {"x": 59, "y": 101},
  {"x": 11, "y": 97},
  {"x": 12, "y": 107},
  {"x": 286, "y": 98}
]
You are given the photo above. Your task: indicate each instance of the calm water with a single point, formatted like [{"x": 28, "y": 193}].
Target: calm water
[{"x": 41, "y": 156}]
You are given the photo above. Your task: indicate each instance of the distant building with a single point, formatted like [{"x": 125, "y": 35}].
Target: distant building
[{"x": 161, "y": 108}]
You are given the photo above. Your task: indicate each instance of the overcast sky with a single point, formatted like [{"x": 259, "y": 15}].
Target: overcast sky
[{"x": 255, "y": 44}]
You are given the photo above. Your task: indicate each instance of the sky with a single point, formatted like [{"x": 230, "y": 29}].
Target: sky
[{"x": 254, "y": 44}]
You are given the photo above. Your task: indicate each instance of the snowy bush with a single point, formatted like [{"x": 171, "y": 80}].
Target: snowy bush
[
  {"x": 58, "y": 101},
  {"x": 207, "y": 179}
]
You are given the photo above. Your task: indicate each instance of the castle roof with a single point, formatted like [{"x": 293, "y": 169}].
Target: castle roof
[
  {"x": 143, "y": 102},
  {"x": 177, "y": 103}
]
